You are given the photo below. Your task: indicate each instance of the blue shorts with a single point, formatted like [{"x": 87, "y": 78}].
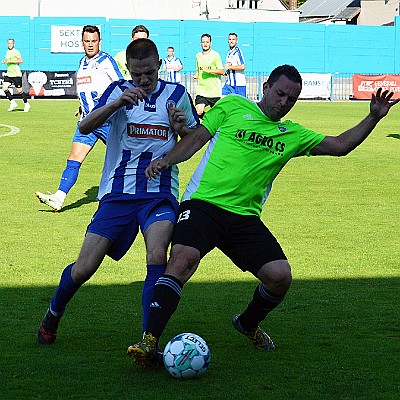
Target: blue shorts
[
  {"x": 91, "y": 138},
  {"x": 227, "y": 89},
  {"x": 119, "y": 219}
]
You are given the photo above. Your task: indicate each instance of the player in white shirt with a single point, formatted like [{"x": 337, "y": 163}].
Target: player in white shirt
[
  {"x": 234, "y": 69},
  {"x": 97, "y": 70},
  {"x": 172, "y": 65},
  {"x": 142, "y": 128}
]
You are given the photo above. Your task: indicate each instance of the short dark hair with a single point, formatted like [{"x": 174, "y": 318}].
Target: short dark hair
[
  {"x": 206, "y": 35},
  {"x": 233, "y": 34},
  {"x": 289, "y": 71},
  {"x": 170, "y": 47},
  {"x": 91, "y": 29},
  {"x": 140, "y": 28},
  {"x": 142, "y": 48}
]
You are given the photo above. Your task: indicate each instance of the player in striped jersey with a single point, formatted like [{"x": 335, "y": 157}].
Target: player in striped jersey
[
  {"x": 97, "y": 70},
  {"x": 172, "y": 65},
  {"x": 234, "y": 69},
  {"x": 140, "y": 131}
]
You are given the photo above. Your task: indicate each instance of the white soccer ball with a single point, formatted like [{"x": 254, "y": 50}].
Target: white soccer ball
[{"x": 187, "y": 356}]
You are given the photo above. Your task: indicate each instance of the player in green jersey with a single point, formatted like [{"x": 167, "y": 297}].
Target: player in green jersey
[
  {"x": 138, "y": 32},
  {"x": 248, "y": 146},
  {"x": 209, "y": 70},
  {"x": 14, "y": 76}
]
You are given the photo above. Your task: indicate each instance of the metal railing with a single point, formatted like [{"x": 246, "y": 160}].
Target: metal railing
[{"x": 341, "y": 85}]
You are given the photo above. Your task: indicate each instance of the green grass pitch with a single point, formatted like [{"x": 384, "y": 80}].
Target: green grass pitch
[{"x": 336, "y": 333}]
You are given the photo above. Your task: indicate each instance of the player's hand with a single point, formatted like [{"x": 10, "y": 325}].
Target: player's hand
[
  {"x": 3, "y": 61},
  {"x": 381, "y": 104},
  {"x": 133, "y": 96},
  {"x": 177, "y": 118},
  {"x": 154, "y": 169}
]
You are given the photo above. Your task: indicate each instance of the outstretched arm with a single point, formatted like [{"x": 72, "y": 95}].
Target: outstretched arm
[
  {"x": 98, "y": 117},
  {"x": 353, "y": 137}
]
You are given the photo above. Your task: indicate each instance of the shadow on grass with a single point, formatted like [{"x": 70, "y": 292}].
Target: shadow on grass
[
  {"x": 90, "y": 197},
  {"x": 394, "y": 135},
  {"x": 335, "y": 339}
]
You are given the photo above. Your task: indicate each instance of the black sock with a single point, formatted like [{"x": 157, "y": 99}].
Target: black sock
[
  {"x": 8, "y": 95},
  {"x": 166, "y": 296},
  {"x": 263, "y": 302},
  {"x": 24, "y": 97}
]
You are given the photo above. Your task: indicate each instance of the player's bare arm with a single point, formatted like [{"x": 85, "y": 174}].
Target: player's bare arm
[
  {"x": 182, "y": 151},
  {"x": 347, "y": 141},
  {"x": 240, "y": 67},
  {"x": 99, "y": 116},
  {"x": 216, "y": 71}
]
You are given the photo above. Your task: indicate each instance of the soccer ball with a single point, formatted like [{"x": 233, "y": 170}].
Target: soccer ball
[{"x": 187, "y": 356}]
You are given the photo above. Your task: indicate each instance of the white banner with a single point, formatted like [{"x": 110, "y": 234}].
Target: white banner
[
  {"x": 316, "y": 86},
  {"x": 66, "y": 39}
]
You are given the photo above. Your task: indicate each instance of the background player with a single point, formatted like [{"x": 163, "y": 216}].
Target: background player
[
  {"x": 14, "y": 76},
  {"x": 172, "y": 65},
  {"x": 97, "y": 70},
  {"x": 208, "y": 73},
  {"x": 140, "y": 131},
  {"x": 138, "y": 32},
  {"x": 234, "y": 66}
]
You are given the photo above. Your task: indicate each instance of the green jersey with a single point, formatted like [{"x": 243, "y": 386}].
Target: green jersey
[
  {"x": 247, "y": 151},
  {"x": 13, "y": 70},
  {"x": 120, "y": 58},
  {"x": 208, "y": 85}
]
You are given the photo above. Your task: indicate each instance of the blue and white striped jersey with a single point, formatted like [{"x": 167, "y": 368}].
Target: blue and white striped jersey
[
  {"x": 93, "y": 78},
  {"x": 235, "y": 78},
  {"x": 170, "y": 64},
  {"x": 139, "y": 135}
]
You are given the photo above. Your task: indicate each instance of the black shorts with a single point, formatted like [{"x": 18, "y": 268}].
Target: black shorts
[
  {"x": 208, "y": 101},
  {"x": 243, "y": 238},
  {"x": 16, "y": 80}
]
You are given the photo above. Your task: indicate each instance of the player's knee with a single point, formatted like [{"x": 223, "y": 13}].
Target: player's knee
[
  {"x": 278, "y": 274},
  {"x": 80, "y": 272},
  {"x": 183, "y": 262},
  {"x": 157, "y": 256}
]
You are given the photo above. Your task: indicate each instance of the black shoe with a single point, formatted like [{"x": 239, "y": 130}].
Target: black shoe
[{"x": 48, "y": 328}]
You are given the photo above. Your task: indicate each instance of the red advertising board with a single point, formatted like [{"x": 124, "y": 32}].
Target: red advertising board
[{"x": 365, "y": 85}]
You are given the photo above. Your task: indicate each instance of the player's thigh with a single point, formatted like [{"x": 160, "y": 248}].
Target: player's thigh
[
  {"x": 156, "y": 219},
  {"x": 17, "y": 81},
  {"x": 250, "y": 244},
  {"x": 199, "y": 225},
  {"x": 157, "y": 238},
  {"x": 81, "y": 145},
  {"x": 6, "y": 85},
  {"x": 116, "y": 220},
  {"x": 200, "y": 108},
  {"x": 79, "y": 151}
]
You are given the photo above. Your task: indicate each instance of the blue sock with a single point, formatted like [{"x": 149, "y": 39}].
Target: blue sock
[
  {"x": 153, "y": 273},
  {"x": 64, "y": 293},
  {"x": 69, "y": 175}
]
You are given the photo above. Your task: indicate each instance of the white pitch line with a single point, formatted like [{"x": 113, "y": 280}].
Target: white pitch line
[{"x": 13, "y": 130}]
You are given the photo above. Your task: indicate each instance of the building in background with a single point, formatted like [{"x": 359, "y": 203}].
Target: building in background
[
  {"x": 223, "y": 10},
  {"x": 353, "y": 12}
]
